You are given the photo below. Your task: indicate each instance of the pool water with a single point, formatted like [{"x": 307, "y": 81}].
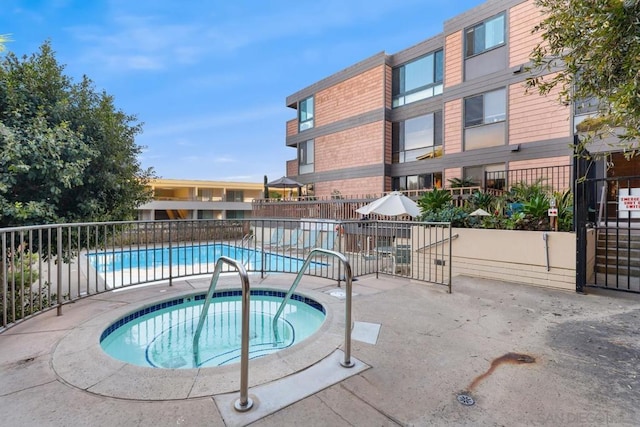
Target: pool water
[
  {"x": 192, "y": 257},
  {"x": 161, "y": 335}
]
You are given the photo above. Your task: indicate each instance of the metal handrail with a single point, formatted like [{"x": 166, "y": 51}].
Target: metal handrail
[
  {"x": 244, "y": 403},
  {"x": 347, "y": 362},
  {"x": 439, "y": 242},
  {"x": 247, "y": 238}
]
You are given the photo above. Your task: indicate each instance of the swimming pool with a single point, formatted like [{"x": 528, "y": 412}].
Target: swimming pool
[
  {"x": 161, "y": 335},
  {"x": 140, "y": 265}
]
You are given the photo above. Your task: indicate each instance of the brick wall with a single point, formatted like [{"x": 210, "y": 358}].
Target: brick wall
[
  {"x": 359, "y": 146},
  {"x": 357, "y": 95},
  {"x": 540, "y": 163},
  {"x": 292, "y": 127},
  {"x": 372, "y": 186},
  {"x": 522, "y": 19},
  {"x": 453, "y": 126},
  {"x": 292, "y": 167},
  {"x": 453, "y": 59},
  {"x": 533, "y": 117}
]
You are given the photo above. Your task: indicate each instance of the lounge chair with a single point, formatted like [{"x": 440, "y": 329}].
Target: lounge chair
[
  {"x": 328, "y": 240},
  {"x": 401, "y": 259},
  {"x": 292, "y": 241},
  {"x": 309, "y": 241},
  {"x": 277, "y": 235}
]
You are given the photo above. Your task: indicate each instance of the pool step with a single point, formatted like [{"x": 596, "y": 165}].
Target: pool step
[{"x": 255, "y": 351}]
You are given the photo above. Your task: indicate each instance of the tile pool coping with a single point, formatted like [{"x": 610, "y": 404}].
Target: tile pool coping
[
  {"x": 80, "y": 362},
  {"x": 201, "y": 296}
]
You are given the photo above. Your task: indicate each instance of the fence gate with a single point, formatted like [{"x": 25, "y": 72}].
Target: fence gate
[{"x": 607, "y": 221}]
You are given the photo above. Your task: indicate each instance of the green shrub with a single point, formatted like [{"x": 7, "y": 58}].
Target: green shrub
[
  {"x": 434, "y": 200},
  {"x": 537, "y": 206},
  {"x": 564, "y": 203},
  {"x": 453, "y": 214},
  {"x": 20, "y": 298},
  {"x": 479, "y": 200},
  {"x": 522, "y": 191}
]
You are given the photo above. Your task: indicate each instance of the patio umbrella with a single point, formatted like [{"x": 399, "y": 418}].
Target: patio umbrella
[
  {"x": 479, "y": 212},
  {"x": 393, "y": 204},
  {"x": 284, "y": 182}
]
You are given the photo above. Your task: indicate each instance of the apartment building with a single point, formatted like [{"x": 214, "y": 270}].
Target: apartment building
[
  {"x": 194, "y": 199},
  {"x": 452, "y": 106}
]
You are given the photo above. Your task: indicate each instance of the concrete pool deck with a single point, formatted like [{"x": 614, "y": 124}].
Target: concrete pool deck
[{"x": 525, "y": 355}]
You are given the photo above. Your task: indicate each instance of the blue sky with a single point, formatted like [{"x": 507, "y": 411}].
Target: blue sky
[{"x": 209, "y": 78}]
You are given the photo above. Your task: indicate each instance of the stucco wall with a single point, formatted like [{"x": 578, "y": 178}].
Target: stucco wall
[{"x": 516, "y": 256}]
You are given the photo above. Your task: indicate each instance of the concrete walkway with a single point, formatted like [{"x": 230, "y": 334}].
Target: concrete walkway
[{"x": 523, "y": 355}]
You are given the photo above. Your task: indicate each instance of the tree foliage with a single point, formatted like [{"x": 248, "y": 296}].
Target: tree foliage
[
  {"x": 67, "y": 154},
  {"x": 593, "y": 49}
]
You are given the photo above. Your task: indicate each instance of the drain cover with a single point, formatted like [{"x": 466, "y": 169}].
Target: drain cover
[{"x": 465, "y": 399}]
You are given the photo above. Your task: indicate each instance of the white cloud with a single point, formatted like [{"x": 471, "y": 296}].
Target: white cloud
[
  {"x": 241, "y": 178},
  {"x": 181, "y": 125},
  {"x": 138, "y": 42},
  {"x": 131, "y": 39},
  {"x": 224, "y": 159}
]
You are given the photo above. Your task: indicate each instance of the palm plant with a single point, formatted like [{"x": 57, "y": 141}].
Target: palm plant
[
  {"x": 479, "y": 200},
  {"x": 537, "y": 206},
  {"x": 462, "y": 182},
  {"x": 434, "y": 200},
  {"x": 523, "y": 191}
]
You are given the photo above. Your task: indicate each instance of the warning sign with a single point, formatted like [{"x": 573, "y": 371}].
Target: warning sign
[
  {"x": 553, "y": 212},
  {"x": 629, "y": 203}
]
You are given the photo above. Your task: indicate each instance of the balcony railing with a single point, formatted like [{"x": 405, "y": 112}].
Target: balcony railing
[
  {"x": 552, "y": 178},
  {"x": 202, "y": 199},
  {"x": 338, "y": 207}
]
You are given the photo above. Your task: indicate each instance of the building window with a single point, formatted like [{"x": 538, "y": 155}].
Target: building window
[
  {"x": 484, "y": 119},
  {"x": 418, "y": 79},
  {"x": 586, "y": 105},
  {"x": 308, "y": 190},
  {"x": 235, "y": 196},
  {"x": 206, "y": 215},
  {"x": 305, "y": 114},
  {"x": 417, "y": 182},
  {"x": 485, "y": 35},
  {"x": 205, "y": 194},
  {"x": 495, "y": 175},
  {"x": 305, "y": 157},
  {"x": 584, "y": 108},
  {"x": 416, "y": 138},
  {"x": 235, "y": 214}
]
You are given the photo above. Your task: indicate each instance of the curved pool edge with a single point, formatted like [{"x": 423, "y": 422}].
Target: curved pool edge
[{"x": 79, "y": 361}]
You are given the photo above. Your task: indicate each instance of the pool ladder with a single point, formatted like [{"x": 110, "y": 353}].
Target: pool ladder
[
  {"x": 244, "y": 403},
  {"x": 347, "y": 363}
]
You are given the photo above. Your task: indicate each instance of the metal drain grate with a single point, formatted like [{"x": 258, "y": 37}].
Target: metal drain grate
[{"x": 465, "y": 399}]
